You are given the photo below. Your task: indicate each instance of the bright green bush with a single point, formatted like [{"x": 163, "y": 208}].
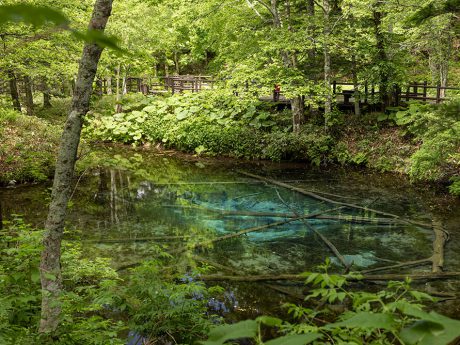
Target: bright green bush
[{"x": 437, "y": 129}]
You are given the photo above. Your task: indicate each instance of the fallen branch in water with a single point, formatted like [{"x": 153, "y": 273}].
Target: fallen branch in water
[
  {"x": 334, "y": 202},
  {"x": 401, "y": 265},
  {"x": 298, "y": 277},
  {"x": 284, "y": 291},
  {"x": 320, "y": 235},
  {"x": 138, "y": 239},
  {"x": 262, "y": 227}
]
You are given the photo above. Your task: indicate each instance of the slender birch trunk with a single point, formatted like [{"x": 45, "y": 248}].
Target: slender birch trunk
[
  {"x": 118, "y": 107},
  {"x": 50, "y": 265}
]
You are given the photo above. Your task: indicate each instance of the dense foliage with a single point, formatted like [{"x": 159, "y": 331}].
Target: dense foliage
[
  {"x": 422, "y": 141},
  {"x": 391, "y": 316}
]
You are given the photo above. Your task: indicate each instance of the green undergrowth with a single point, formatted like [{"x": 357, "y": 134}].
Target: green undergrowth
[
  {"x": 155, "y": 300},
  {"x": 28, "y": 146},
  {"x": 394, "y": 315}
]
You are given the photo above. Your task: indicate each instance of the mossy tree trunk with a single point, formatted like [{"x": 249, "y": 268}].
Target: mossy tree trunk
[{"x": 50, "y": 265}]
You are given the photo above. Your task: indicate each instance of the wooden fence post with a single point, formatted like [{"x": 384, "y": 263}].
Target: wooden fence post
[
  {"x": 438, "y": 94},
  {"x": 334, "y": 87}
]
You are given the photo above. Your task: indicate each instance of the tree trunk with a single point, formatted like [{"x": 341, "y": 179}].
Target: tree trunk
[
  {"x": 46, "y": 95},
  {"x": 29, "y": 95},
  {"x": 46, "y": 99},
  {"x": 118, "y": 107},
  {"x": 50, "y": 266},
  {"x": 311, "y": 7},
  {"x": 109, "y": 86},
  {"x": 297, "y": 107},
  {"x": 176, "y": 63},
  {"x": 99, "y": 88},
  {"x": 124, "y": 85},
  {"x": 327, "y": 63},
  {"x": 289, "y": 61},
  {"x": 382, "y": 58},
  {"x": 443, "y": 73},
  {"x": 14, "y": 91},
  {"x": 356, "y": 95}
]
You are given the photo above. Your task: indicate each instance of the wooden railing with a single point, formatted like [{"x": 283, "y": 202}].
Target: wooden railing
[{"x": 192, "y": 83}]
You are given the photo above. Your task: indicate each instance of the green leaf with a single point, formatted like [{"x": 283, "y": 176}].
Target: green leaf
[
  {"x": 243, "y": 329},
  {"x": 422, "y": 332},
  {"x": 432, "y": 329},
  {"x": 297, "y": 339},
  {"x": 31, "y": 14},
  {"x": 366, "y": 320},
  {"x": 100, "y": 38},
  {"x": 270, "y": 321},
  {"x": 182, "y": 115}
]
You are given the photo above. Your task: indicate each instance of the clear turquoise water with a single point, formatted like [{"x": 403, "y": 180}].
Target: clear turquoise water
[{"x": 143, "y": 196}]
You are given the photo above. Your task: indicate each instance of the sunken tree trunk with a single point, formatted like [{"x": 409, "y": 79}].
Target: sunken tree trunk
[
  {"x": 29, "y": 95},
  {"x": 50, "y": 265},
  {"x": 14, "y": 91}
]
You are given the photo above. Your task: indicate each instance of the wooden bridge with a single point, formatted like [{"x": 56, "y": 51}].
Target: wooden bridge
[
  {"x": 343, "y": 91},
  {"x": 173, "y": 84}
]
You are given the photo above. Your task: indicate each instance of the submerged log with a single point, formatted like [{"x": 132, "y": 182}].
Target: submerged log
[
  {"x": 334, "y": 202},
  {"x": 320, "y": 235},
  {"x": 298, "y": 277},
  {"x": 401, "y": 265},
  {"x": 262, "y": 227},
  {"x": 138, "y": 239}
]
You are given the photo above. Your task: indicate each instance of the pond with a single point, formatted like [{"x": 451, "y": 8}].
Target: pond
[{"x": 135, "y": 199}]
